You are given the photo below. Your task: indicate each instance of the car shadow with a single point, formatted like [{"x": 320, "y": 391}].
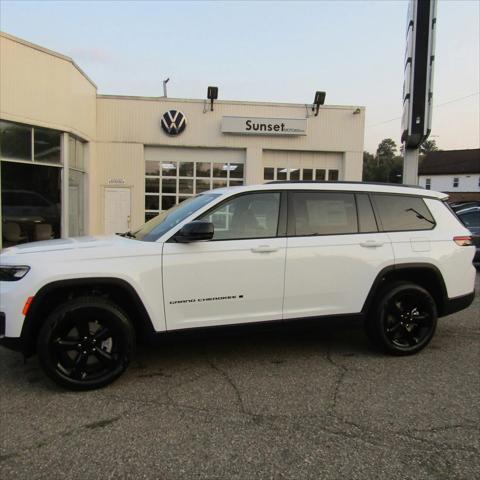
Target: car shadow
[{"x": 343, "y": 335}]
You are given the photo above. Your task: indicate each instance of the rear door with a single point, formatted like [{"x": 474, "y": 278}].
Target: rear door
[
  {"x": 334, "y": 253},
  {"x": 238, "y": 276}
]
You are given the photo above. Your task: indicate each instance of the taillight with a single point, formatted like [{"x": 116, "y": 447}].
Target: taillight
[{"x": 465, "y": 241}]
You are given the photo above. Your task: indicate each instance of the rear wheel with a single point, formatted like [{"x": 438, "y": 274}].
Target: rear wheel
[
  {"x": 404, "y": 319},
  {"x": 86, "y": 343}
]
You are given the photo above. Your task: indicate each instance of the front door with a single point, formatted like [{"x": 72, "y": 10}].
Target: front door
[
  {"x": 238, "y": 276},
  {"x": 117, "y": 210}
]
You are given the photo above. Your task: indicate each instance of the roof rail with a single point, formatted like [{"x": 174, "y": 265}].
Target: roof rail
[{"x": 343, "y": 183}]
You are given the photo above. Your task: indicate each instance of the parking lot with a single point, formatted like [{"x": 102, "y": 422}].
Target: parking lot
[{"x": 279, "y": 403}]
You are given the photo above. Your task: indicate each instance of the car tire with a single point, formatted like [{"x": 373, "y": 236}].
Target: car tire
[
  {"x": 86, "y": 343},
  {"x": 403, "y": 319}
]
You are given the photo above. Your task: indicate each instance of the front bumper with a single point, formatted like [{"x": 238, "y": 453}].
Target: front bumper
[{"x": 12, "y": 343}]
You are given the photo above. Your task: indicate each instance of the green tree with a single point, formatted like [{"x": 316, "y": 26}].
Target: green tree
[
  {"x": 386, "y": 151},
  {"x": 385, "y": 166},
  {"x": 369, "y": 167},
  {"x": 428, "y": 146}
]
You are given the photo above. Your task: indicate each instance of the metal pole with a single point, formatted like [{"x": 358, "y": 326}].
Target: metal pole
[
  {"x": 410, "y": 166},
  {"x": 165, "y": 87}
]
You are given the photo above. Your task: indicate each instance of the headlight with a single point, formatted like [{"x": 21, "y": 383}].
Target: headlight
[{"x": 12, "y": 273}]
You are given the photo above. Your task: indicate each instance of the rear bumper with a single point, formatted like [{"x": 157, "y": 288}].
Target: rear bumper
[{"x": 453, "y": 305}]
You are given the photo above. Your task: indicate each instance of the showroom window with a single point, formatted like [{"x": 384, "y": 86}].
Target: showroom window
[
  {"x": 31, "y": 184},
  {"x": 168, "y": 183},
  {"x": 76, "y": 187},
  {"x": 306, "y": 174}
]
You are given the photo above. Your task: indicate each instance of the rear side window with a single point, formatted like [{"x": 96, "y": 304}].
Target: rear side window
[
  {"x": 402, "y": 213},
  {"x": 320, "y": 213}
]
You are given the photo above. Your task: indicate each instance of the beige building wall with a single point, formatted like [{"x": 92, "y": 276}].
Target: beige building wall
[
  {"x": 43, "y": 88},
  {"x": 134, "y": 119}
]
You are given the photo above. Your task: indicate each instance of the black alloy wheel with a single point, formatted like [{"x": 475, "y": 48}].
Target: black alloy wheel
[
  {"x": 86, "y": 343},
  {"x": 405, "y": 319}
]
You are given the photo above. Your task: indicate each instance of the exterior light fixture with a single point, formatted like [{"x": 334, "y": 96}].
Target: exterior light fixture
[
  {"x": 318, "y": 100},
  {"x": 212, "y": 94},
  {"x": 356, "y": 111}
]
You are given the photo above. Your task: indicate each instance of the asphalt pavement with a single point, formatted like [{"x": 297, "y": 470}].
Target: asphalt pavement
[{"x": 276, "y": 404}]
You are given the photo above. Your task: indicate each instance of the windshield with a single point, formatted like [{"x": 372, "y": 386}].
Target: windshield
[{"x": 156, "y": 227}]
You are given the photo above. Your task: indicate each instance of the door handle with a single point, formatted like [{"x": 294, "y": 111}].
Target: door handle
[
  {"x": 264, "y": 249},
  {"x": 371, "y": 243}
]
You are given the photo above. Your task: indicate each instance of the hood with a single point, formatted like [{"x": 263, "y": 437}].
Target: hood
[{"x": 62, "y": 244}]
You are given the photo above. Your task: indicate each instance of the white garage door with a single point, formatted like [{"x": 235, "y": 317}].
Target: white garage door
[{"x": 287, "y": 165}]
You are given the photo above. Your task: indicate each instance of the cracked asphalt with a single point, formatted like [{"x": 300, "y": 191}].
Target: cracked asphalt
[{"x": 274, "y": 404}]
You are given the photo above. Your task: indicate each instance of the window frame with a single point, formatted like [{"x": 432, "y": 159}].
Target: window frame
[
  {"x": 376, "y": 220},
  {"x": 281, "y": 221},
  {"x": 291, "y": 226},
  {"x": 376, "y": 211}
]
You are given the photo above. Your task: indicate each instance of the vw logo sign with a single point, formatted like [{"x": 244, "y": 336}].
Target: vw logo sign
[{"x": 174, "y": 122}]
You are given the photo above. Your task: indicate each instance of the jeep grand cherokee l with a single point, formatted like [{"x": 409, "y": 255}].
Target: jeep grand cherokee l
[{"x": 396, "y": 257}]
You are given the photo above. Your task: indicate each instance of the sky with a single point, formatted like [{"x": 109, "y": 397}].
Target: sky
[{"x": 267, "y": 51}]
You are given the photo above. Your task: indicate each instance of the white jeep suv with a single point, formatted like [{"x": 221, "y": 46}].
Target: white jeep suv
[{"x": 394, "y": 256}]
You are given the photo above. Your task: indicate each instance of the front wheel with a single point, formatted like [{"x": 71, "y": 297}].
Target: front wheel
[
  {"x": 86, "y": 343},
  {"x": 404, "y": 319}
]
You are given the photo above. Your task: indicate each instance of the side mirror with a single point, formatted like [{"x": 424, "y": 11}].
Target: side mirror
[{"x": 195, "y": 231}]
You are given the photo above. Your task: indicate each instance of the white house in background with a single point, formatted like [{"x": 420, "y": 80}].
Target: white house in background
[{"x": 456, "y": 172}]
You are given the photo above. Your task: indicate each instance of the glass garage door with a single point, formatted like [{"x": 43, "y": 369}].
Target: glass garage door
[
  {"x": 294, "y": 165},
  {"x": 174, "y": 174}
]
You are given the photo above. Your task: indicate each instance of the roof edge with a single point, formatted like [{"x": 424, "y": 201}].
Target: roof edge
[
  {"x": 226, "y": 102},
  {"x": 25, "y": 43}
]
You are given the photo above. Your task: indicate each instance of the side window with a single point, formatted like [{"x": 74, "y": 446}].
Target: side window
[
  {"x": 253, "y": 215},
  {"x": 366, "y": 218},
  {"x": 403, "y": 213},
  {"x": 323, "y": 213}
]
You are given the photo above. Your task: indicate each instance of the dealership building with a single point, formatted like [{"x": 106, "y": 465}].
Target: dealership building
[{"x": 76, "y": 162}]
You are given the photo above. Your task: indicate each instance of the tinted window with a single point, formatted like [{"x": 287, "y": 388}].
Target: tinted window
[
  {"x": 320, "y": 213},
  {"x": 247, "y": 216},
  {"x": 402, "y": 212},
  {"x": 30, "y": 202},
  {"x": 15, "y": 141},
  {"x": 47, "y": 145},
  {"x": 366, "y": 218}
]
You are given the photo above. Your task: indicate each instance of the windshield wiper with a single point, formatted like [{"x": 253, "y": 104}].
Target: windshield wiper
[{"x": 126, "y": 234}]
